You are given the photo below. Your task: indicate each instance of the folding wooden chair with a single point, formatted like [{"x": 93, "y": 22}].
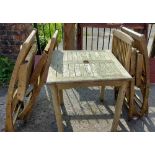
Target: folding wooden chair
[
  {"x": 121, "y": 48},
  {"x": 139, "y": 70},
  {"x": 27, "y": 80}
]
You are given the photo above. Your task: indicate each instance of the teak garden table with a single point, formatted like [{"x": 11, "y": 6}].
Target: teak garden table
[{"x": 71, "y": 69}]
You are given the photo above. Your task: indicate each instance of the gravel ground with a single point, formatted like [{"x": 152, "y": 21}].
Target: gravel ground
[{"x": 82, "y": 112}]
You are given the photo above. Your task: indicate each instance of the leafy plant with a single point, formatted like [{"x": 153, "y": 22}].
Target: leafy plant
[
  {"x": 47, "y": 30},
  {"x": 6, "y": 68}
]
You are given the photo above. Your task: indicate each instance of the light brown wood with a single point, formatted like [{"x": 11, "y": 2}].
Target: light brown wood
[
  {"x": 139, "y": 69},
  {"x": 152, "y": 51},
  {"x": 39, "y": 75},
  {"x": 26, "y": 81},
  {"x": 56, "y": 106},
  {"x": 60, "y": 96},
  {"x": 118, "y": 106},
  {"x": 39, "y": 67},
  {"x": 123, "y": 36},
  {"x": 103, "y": 66},
  {"x": 72, "y": 69},
  {"x": 102, "y": 89},
  {"x": 133, "y": 64},
  {"x": 142, "y": 73},
  {"x": 83, "y": 84},
  {"x": 122, "y": 49},
  {"x": 25, "y": 72},
  {"x": 69, "y": 36},
  {"x": 24, "y": 50}
]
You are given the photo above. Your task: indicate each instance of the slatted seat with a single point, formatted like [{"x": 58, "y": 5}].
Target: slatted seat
[
  {"x": 139, "y": 70},
  {"x": 27, "y": 80}
]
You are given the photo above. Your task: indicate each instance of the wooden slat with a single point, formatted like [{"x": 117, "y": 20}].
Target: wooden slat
[
  {"x": 83, "y": 71},
  {"x": 133, "y": 62},
  {"x": 16, "y": 113},
  {"x": 14, "y": 101},
  {"x": 25, "y": 72},
  {"x": 38, "y": 68},
  {"x": 86, "y": 67},
  {"x": 59, "y": 72},
  {"x": 77, "y": 70},
  {"x": 123, "y": 36},
  {"x": 139, "y": 69},
  {"x": 71, "y": 70},
  {"x": 94, "y": 70},
  {"x": 74, "y": 56},
  {"x": 69, "y": 36},
  {"x": 65, "y": 70},
  {"x": 24, "y": 50}
]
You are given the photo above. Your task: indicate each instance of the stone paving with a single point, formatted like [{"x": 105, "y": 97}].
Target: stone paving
[{"x": 82, "y": 112}]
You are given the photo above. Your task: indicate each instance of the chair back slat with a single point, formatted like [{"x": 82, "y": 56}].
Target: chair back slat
[
  {"x": 140, "y": 44},
  {"x": 41, "y": 68},
  {"x": 25, "y": 72},
  {"x": 122, "y": 47}
]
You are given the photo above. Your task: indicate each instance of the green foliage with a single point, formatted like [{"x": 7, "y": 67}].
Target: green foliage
[
  {"x": 47, "y": 30},
  {"x": 6, "y": 68}
]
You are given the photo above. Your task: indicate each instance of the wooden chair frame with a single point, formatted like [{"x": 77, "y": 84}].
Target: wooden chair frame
[
  {"x": 121, "y": 48},
  {"x": 139, "y": 70},
  {"x": 27, "y": 80}
]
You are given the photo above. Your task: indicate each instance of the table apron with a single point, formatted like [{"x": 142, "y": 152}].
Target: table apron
[{"x": 90, "y": 84}]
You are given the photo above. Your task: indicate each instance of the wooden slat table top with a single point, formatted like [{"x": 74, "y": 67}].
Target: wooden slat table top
[{"x": 78, "y": 66}]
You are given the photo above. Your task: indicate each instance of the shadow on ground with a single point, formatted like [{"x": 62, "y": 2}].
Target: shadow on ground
[{"x": 82, "y": 112}]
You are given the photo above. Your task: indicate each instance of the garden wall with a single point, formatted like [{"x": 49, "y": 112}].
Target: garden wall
[{"x": 12, "y": 36}]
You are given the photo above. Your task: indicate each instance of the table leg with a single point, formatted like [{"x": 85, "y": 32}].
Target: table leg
[
  {"x": 118, "y": 106},
  {"x": 56, "y": 105},
  {"x": 61, "y": 96},
  {"x": 102, "y": 89}
]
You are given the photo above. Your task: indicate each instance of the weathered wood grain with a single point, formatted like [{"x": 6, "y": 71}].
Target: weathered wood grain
[
  {"x": 87, "y": 65},
  {"x": 85, "y": 69}
]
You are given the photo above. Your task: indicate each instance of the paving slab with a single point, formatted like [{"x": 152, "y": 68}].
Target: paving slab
[{"x": 82, "y": 112}]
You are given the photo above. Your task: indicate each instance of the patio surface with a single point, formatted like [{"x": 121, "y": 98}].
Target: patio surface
[{"x": 82, "y": 112}]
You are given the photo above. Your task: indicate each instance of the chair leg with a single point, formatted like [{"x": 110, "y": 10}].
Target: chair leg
[
  {"x": 9, "y": 119},
  {"x": 132, "y": 108},
  {"x": 144, "y": 109},
  {"x": 102, "y": 89}
]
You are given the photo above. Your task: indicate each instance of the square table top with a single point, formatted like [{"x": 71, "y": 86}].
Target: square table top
[{"x": 83, "y": 65}]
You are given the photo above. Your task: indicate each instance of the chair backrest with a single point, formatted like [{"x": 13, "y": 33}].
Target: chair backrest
[
  {"x": 41, "y": 69},
  {"x": 140, "y": 56},
  {"x": 20, "y": 79},
  {"x": 23, "y": 68},
  {"x": 122, "y": 47},
  {"x": 27, "y": 80}
]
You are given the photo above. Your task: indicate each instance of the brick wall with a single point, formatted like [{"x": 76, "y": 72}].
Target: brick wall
[{"x": 12, "y": 36}]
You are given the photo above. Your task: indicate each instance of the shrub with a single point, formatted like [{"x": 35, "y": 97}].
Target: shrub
[
  {"x": 47, "y": 30},
  {"x": 6, "y": 68}
]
